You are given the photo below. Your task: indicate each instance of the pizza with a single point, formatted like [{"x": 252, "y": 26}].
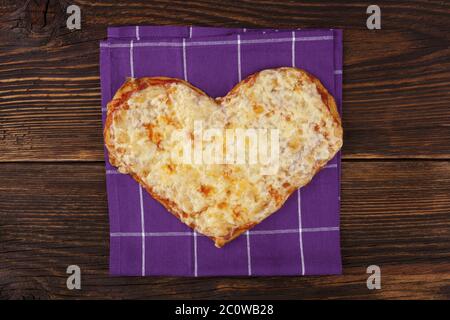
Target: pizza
[{"x": 195, "y": 154}]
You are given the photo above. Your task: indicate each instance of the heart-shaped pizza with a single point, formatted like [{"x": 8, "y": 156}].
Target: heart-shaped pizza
[{"x": 223, "y": 165}]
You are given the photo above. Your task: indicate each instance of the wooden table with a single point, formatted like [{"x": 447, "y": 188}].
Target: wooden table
[{"x": 396, "y": 167}]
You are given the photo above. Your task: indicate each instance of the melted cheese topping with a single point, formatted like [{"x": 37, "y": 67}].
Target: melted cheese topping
[{"x": 218, "y": 199}]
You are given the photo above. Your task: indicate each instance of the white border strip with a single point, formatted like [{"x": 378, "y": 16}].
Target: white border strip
[
  {"x": 131, "y": 59},
  {"x": 140, "y": 188},
  {"x": 112, "y": 171},
  {"x": 195, "y": 255},
  {"x": 142, "y": 230},
  {"x": 137, "y": 33},
  {"x": 213, "y": 43},
  {"x": 253, "y": 232},
  {"x": 206, "y": 43},
  {"x": 184, "y": 61},
  {"x": 266, "y": 232},
  {"x": 293, "y": 49},
  {"x": 249, "y": 256},
  {"x": 300, "y": 234},
  {"x": 330, "y": 166},
  {"x": 283, "y": 231},
  {"x": 247, "y": 234},
  {"x": 150, "y": 234},
  {"x": 186, "y": 79},
  {"x": 239, "y": 57}
]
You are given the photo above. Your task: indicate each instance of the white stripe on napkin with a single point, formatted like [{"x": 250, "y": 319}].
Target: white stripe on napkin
[{"x": 186, "y": 79}]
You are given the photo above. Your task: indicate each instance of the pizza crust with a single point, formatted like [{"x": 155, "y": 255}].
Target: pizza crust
[{"x": 151, "y": 99}]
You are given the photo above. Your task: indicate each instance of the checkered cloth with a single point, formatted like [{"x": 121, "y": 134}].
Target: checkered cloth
[{"x": 302, "y": 238}]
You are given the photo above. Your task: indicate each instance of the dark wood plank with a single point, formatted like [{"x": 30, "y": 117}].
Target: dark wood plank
[
  {"x": 394, "y": 214},
  {"x": 395, "y": 80}
]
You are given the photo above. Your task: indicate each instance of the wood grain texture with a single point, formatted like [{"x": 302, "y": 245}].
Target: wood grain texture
[
  {"x": 396, "y": 79},
  {"x": 395, "y": 214}
]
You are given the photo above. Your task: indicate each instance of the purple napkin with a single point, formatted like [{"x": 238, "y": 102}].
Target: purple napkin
[{"x": 302, "y": 238}]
